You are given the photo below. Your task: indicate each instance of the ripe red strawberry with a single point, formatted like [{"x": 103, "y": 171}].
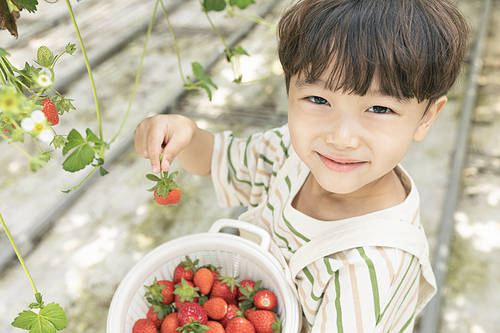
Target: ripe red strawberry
[
  {"x": 170, "y": 323},
  {"x": 191, "y": 312},
  {"x": 265, "y": 321},
  {"x": 247, "y": 311},
  {"x": 144, "y": 326},
  {"x": 232, "y": 311},
  {"x": 49, "y": 109},
  {"x": 265, "y": 300},
  {"x": 160, "y": 292},
  {"x": 225, "y": 287},
  {"x": 216, "y": 307},
  {"x": 173, "y": 197},
  {"x": 165, "y": 191},
  {"x": 153, "y": 316},
  {"x": 204, "y": 279},
  {"x": 248, "y": 284},
  {"x": 215, "y": 327},
  {"x": 185, "y": 292},
  {"x": 185, "y": 269},
  {"x": 240, "y": 325}
]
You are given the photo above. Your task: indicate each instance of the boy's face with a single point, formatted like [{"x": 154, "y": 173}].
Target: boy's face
[{"x": 371, "y": 132}]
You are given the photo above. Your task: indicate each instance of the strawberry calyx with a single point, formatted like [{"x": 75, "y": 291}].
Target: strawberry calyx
[
  {"x": 186, "y": 292},
  {"x": 229, "y": 281},
  {"x": 248, "y": 293},
  {"x": 193, "y": 327},
  {"x": 164, "y": 185},
  {"x": 189, "y": 264},
  {"x": 276, "y": 326}
]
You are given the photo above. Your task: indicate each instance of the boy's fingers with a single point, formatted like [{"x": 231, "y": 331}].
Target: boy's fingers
[
  {"x": 170, "y": 151},
  {"x": 154, "y": 150}
]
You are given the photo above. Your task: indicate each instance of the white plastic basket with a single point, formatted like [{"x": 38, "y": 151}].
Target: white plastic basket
[{"x": 236, "y": 256}]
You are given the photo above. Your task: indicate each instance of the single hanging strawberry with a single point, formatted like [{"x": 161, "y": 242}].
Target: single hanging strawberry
[
  {"x": 50, "y": 111},
  {"x": 166, "y": 192}
]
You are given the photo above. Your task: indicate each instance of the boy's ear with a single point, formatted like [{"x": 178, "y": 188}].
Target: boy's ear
[{"x": 429, "y": 118}]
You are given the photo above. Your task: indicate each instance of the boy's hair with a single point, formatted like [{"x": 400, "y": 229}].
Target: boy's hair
[{"x": 415, "y": 47}]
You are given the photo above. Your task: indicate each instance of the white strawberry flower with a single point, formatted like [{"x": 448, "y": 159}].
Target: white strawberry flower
[
  {"x": 44, "y": 79},
  {"x": 37, "y": 124}
]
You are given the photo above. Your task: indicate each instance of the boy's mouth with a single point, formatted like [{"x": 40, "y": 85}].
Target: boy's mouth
[{"x": 340, "y": 164}]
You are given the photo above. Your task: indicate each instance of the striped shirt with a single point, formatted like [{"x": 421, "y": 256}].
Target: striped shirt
[{"x": 363, "y": 289}]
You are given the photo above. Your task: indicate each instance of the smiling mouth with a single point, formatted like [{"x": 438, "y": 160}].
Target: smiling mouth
[{"x": 340, "y": 165}]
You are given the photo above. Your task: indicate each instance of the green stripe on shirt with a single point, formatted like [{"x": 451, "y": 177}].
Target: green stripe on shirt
[
  {"x": 232, "y": 166},
  {"x": 309, "y": 276},
  {"x": 340, "y": 327},
  {"x": 274, "y": 229},
  {"x": 373, "y": 279}
]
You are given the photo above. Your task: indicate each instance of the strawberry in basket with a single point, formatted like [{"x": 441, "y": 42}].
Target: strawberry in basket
[{"x": 198, "y": 300}]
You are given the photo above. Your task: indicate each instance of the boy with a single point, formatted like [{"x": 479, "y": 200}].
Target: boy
[{"x": 364, "y": 79}]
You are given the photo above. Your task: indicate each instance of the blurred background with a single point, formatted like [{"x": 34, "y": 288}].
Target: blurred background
[{"x": 79, "y": 246}]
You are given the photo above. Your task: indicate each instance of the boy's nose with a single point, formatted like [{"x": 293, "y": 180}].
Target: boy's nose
[{"x": 343, "y": 136}]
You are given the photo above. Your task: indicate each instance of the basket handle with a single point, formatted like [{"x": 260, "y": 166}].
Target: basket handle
[{"x": 265, "y": 239}]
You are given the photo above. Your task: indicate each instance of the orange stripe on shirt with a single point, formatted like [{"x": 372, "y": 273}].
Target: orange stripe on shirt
[
  {"x": 387, "y": 263},
  {"x": 355, "y": 291}
]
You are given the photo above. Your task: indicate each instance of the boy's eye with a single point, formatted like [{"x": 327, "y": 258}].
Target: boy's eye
[
  {"x": 380, "y": 109},
  {"x": 317, "y": 100}
]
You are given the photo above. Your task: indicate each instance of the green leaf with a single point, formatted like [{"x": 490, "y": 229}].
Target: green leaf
[
  {"x": 207, "y": 89},
  {"x": 79, "y": 158},
  {"x": 55, "y": 314},
  {"x": 45, "y": 57},
  {"x": 152, "y": 177},
  {"x": 70, "y": 48},
  {"x": 240, "y": 50},
  {"x": 59, "y": 141},
  {"x": 29, "y": 5},
  {"x": 4, "y": 53},
  {"x": 38, "y": 161},
  {"x": 242, "y": 4},
  {"x": 74, "y": 139},
  {"x": 62, "y": 104},
  {"x": 215, "y": 5},
  {"x": 25, "y": 320},
  {"x": 102, "y": 171},
  {"x": 91, "y": 137},
  {"x": 198, "y": 70}
]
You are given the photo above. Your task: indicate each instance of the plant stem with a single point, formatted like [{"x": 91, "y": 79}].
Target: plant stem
[
  {"x": 98, "y": 110},
  {"x": 18, "y": 254},
  {"x": 177, "y": 53},
  {"x": 228, "y": 52},
  {"x": 16, "y": 146},
  {"x": 83, "y": 180},
  {"x": 138, "y": 74},
  {"x": 37, "y": 144}
]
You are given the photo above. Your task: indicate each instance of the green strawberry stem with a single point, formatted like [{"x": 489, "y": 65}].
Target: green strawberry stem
[
  {"x": 18, "y": 254},
  {"x": 98, "y": 110},
  {"x": 176, "y": 46},
  {"x": 138, "y": 74}
]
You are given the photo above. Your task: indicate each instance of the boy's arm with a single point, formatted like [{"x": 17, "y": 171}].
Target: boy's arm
[{"x": 197, "y": 156}]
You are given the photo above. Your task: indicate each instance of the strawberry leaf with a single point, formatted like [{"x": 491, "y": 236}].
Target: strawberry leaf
[
  {"x": 50, "y": 319},
  {"x": 29, "y": 5},
  {"x": 74, "y": 140},
  {"x": 215, "y": 5},
  {"x": 79, "y": 158},
  {"x": 91, "y": 137},
  {"x": 242, "y": 4},
  {"x": 152, "y": 177}
]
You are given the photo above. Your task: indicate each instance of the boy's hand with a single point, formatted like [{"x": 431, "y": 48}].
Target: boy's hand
[{"x": 167, "y": 135}]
